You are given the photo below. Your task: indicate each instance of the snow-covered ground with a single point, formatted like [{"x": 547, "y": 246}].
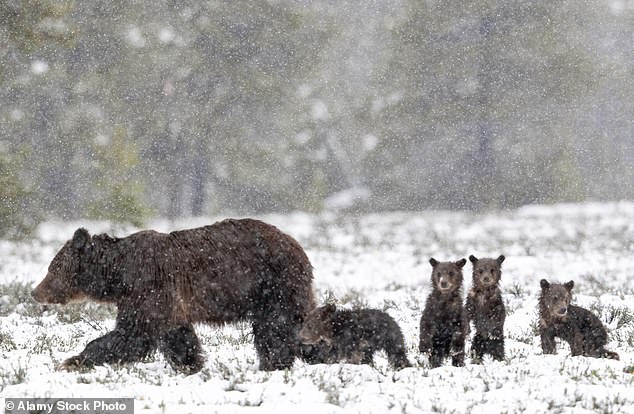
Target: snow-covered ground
[{"x": 376, "y": 260}]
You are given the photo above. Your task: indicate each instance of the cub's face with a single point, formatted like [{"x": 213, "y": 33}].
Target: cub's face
[
  {"x": 61, "y": 282},
  {"x": 446, "y": 277},
  {"x": 317, "y": 325},
  {"x": 556, "y": 298},
  {"x": 486, "y": 272}
]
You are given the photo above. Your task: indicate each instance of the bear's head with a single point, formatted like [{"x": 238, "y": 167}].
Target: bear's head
[
  {"x": 486, "y": 272},
  {"x": 555, "y": 298},
  {"x": 446, "y": 277},
  {"x": 71, "y": 276},
  {"x": 318, "y": 325}
]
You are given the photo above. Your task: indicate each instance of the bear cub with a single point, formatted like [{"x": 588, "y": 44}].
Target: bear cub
[
  {"x": 583, "y": 331},
  {"x": 484, "y": 306},
  {"x": 353, "y": 336},
  {"x": 442, "y": 325}
]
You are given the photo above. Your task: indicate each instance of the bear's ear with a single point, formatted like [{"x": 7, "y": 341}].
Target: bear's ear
[
  {"x": 569, "y": 285},
  {"x": 433, "y": 262},
  {"x": 81, "y": 238},
  {"x": 461, "y": 262},
  {"x": 473, "y": 259},
  {"x": 500, "y": 259},
  {"x": 544, "y": 284}
]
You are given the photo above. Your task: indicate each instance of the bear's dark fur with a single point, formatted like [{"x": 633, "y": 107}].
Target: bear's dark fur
[
  {"x": 162, "y": 284},
  {"x": 484, "y": 306},
  {"x": 583, "y": 331},
  {"x": 353, "y": 336},
  {"x": 442, "y": 325}
]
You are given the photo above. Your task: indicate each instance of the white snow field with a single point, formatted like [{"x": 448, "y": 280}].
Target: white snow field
[{"x": 375, "y": 260}]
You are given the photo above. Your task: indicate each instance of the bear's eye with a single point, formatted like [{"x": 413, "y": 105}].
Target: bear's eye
[
  {"x": 451, "y": 274},
  {"x": 480, "y": 271}
]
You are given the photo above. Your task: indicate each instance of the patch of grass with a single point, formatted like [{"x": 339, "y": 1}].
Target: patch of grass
[
  {"x": 595, "y": 285},
  {"x": 6, "y": 342},
  {"x": 15, "y": 297},
  {"x": 355, "y": 298},
  {"x": 610, "y": 314},
  {"x": 16, "y": 373},
  {"x": 517, "y": 290}
]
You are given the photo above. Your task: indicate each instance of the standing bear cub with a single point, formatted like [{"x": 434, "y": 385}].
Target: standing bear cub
[
  {"x": 162, "y": 284},
  {"x": 353, "y": 336},
  {"x": 442, "y": 325},
  {"x": 583, "y": 331},
  {"x": 485, "y": 307}
]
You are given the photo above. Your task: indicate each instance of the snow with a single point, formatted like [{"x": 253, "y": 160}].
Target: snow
[
  {"x": 39, "y": 67},
  {"x": 377, "y": 260}
]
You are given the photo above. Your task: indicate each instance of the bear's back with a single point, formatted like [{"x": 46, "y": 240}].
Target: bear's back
[
  {"x": 218, "y": 270},
  {"x": 589, "y": 325}
]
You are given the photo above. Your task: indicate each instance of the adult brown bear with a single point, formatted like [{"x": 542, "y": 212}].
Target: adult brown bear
[{"x": 163, "y": 283}]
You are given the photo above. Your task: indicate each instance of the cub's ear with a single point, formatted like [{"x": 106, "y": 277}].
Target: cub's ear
[
  {"x": 433, "y": 262},
  {"x": 500, "y": 259},
  {"x": 461, "y": 262},
  {"x": 473, "y": 259},
  {"x": 544, "y": 284},
  {"x": 569, "y": 285},
  {"x": 81, "y": 238}
]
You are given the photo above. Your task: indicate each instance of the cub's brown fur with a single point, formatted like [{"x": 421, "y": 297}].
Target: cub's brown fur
[
  {"x": 442, "y": 325},
  {"x": 583, "y": 331},
  {"x": 162, "y": 284},
  {"x": 353, "y": 336},
  {"x": 485, "y": 307}
]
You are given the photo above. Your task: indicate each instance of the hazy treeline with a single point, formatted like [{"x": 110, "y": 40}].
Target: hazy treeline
[{"x": 123, "y": 110}]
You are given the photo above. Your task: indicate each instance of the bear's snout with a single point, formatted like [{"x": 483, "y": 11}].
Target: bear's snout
[
  {"x": 41, "y": 296},
  {"x": 53, "y": 291},
  {"x": 37, "y": 295}
]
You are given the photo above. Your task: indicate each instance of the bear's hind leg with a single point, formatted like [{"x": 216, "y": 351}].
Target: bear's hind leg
[
  {"x": 436, "y": 358},
  {"x": 398, "y": 359},
  {"x": 277, "y": 313},
  {"x": 182, "y": 349},
  {"x": 457, "y": 349},
  {"x": 477, "y": 348},
  {"x": 496, "y": 348}
]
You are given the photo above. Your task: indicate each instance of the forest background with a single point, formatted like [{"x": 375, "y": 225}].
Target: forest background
[{"x": 129, "y": 110}]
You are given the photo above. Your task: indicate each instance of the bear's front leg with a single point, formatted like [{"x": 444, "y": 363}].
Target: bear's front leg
[
  {"x": 130, "y": 341},
  {"x": 115, "y": 347},
  {"x": 425, "y": 336},
  {"x": 182, "y": 349},
  {"x": 548, "y": 341}
]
